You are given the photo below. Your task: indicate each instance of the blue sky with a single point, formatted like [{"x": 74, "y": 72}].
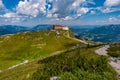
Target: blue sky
[{"x": 68, "y": 12}]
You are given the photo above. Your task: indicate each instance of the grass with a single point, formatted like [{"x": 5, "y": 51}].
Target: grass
[
  {"x": 79, "y": 64},
  {"x": 114, "y": 50},
  {"x": 21, "y": 72},
  {"x": 30, "y": 46}
]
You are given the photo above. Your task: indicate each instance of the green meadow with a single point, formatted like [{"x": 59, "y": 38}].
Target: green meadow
[
  {"x": 114, "y": 50},
  {"x": 17, "y": 48},
  {"x": 40, "y": 49}
]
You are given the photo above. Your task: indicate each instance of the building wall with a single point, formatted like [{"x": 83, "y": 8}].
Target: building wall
[
  {"x": 65, "y": 28},
  {"x": 59, "y": 27}
]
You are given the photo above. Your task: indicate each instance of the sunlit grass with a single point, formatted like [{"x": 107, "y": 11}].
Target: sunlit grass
[{"x": 19, "y": 47}]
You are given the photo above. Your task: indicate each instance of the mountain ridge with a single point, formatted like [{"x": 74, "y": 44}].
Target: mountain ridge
[{"x": 106, "y": 33}]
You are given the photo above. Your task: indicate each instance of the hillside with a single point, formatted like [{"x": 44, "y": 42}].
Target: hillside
[
  {"x": 114, "y": 50},
  {"x": 44, "y": 55},
  {"x": 17, "y": 48},
  {"x": 78, "y": 64},
  {"x": 107, "y": 33}
]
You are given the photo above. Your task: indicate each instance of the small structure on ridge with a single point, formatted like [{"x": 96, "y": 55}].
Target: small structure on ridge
[{"x": 60, "y": 27}]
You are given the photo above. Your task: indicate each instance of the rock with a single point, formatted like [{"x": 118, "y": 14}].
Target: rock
[{"x": 54, "y": 78}]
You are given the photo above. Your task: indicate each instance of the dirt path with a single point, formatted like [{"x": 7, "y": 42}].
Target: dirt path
[
  {"x": 114, "y": 62},
  {"x": 68, "y": 36},
  {"x": 53, "y": 54},
  {"x": 102, "y": 51},
  {"x": 14, "y": 66}
]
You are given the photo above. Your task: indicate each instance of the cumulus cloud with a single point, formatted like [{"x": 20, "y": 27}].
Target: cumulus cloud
[
  {"x": 82, "y": 11},
  {"x": 107, "y": 9},
  {"x": 110, "y": 3},
  {"x": 67, "y": 18},
  {"x": 109, "y": 6},
  {"x": 92, "y": 12},
  {"x": 112, "y": 19},
  {"x": 54, "y": 9},
  {"x": 12, "y": 17},
  {"x": 77, "y": 3},
  {"x": 31, "y": 7},
  {"x": 67, "y": 10},
  {"x": 2, "y": 7},
  {"x": 1, "y": 4}
]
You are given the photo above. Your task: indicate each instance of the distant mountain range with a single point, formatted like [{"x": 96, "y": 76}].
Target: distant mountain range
[
  {"x": 107, "y": 33},
  {"x": 41, "y": 27},
  {"x": 11, "y": 29}
]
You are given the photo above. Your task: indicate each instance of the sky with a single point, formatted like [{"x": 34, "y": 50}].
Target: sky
[{"x": 67, "y": 12}]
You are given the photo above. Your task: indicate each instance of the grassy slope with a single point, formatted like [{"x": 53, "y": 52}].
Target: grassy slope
[
  {"x": 114, "y": 50},
  {"x": 65, "y": 65},
  {"x": 79, "y": 64},
  {"x": 91, "y": 67},
  {"x": 30, "y": 46}
]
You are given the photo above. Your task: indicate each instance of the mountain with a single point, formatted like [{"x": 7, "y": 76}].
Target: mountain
[
  {"x": 18, "y": 47},
  {"x": 42, "y": 27},
  {"x": 47, "y": 54},
  {"x": 11, "y": 29},
  {"x": 107, "y": 33}
]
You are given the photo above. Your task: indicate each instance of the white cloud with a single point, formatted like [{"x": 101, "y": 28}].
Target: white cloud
[
  {"x": 110, "y": 3},
  {"x": 12, "y": 17},
  {"x": 114, "y": 19},
  {"x": 54, "y": 9},
  {"x": 109, "y": 6},
  {"x": 31, "y": 7},
  {"x": 82, "y": 10},
  {"x": 71, "y": 8},
  {"x": 77, "y": 3},
  {"x": 1, "y": 4},
  {"x": 106, "y": 9},
  {"x": 92, "y": 12},
  {"x": 67, "y": 18},
  {"x": 91, "y": 2},
  {"x": 2, "y": 7}
]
